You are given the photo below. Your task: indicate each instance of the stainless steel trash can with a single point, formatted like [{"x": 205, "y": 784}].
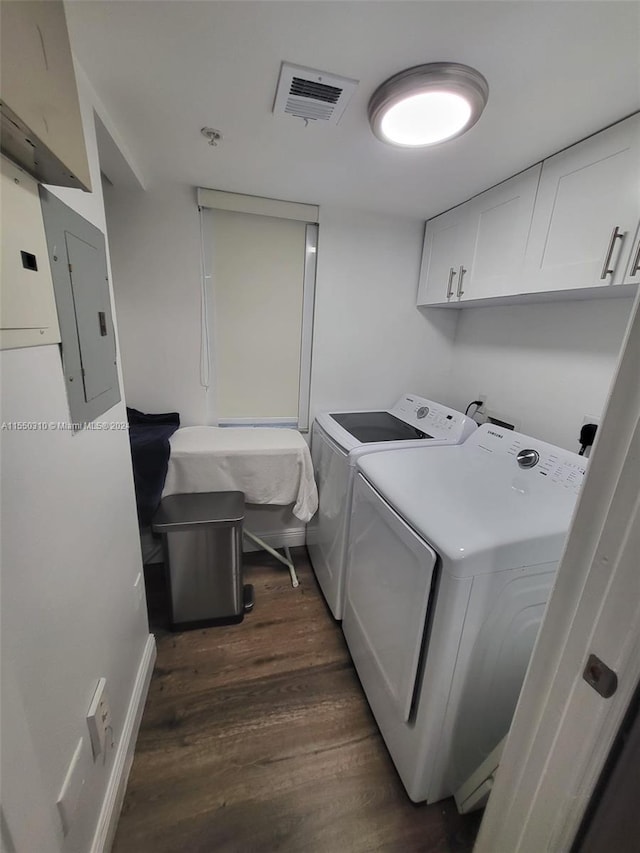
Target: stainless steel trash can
[{"x": 202, "y": 541}]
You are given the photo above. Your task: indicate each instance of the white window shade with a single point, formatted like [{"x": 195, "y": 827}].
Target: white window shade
[
  {"x": 257, "y": 272},
  {"x": 219, "y": 200}
]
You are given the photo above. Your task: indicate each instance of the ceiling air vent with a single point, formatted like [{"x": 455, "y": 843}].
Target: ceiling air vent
[{"x": 312, "y": 95}]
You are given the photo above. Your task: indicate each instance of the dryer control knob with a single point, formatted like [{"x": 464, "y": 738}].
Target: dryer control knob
[
  {"x": 528, "y": 458},
  {"x": 422, "y": 412}
]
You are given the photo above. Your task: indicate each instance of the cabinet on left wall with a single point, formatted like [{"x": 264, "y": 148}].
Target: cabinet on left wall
[
  {"x": 41, "y": 123},
  {"x": 28, "y": 309},
  {"x": 42, "y": 141}
]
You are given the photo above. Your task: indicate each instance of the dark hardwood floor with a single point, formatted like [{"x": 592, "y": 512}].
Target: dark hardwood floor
[{"x": 257, "y": 737}]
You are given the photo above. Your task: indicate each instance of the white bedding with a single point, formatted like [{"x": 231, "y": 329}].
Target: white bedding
[{"x": 271, "y": 466}]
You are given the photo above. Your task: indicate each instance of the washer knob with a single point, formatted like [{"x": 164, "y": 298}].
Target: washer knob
[
  {"x": 528, "y": 458},
  {"x": 422, "y": 412}
]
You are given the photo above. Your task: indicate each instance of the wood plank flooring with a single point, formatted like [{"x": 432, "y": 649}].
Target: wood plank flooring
[{"x": 257, "y": 737}]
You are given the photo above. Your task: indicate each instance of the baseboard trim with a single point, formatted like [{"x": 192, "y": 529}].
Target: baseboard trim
[
  {"x": 114, "y": 795},
  {"x": 292, "y": 537}
]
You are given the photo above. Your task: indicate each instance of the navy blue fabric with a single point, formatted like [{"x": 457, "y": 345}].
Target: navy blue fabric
[{"x": 150, "y": 449}]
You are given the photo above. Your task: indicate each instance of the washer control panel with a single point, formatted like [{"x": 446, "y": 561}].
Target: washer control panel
[
  {"x": 432, "y": 418},
  {"x": 528, "y": 458}
]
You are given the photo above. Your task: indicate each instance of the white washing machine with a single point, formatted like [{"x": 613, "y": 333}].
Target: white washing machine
[
  {"x": 452, "y": 555},
  {"x": 338, "y": 440}
]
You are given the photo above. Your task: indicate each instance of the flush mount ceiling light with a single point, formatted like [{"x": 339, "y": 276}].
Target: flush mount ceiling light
[{"x": 427, "y": 104}]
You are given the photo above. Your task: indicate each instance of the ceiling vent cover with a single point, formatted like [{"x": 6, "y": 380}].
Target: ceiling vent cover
[{"x": 313, "y": 95}]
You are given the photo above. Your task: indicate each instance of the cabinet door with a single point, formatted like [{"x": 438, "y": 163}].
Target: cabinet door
[
  {"x": 586, "y": 213},
  {"x": 632, "y": 275},
  {"x": 28, "y": 316},
  {"x": 443, "y": 238},
  {"x": 38, "y": 86},
  {"x": 500, "y": 222}
]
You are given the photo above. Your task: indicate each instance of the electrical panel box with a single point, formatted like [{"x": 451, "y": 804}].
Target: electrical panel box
[
  {"x": 27, "y": 304},
  {"x": 78, "y": 259}
]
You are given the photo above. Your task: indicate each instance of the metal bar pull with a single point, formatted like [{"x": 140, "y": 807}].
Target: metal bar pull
[
  {"x": 452, "y": 272},
  {"x": 635, "y": 266},
  {"x": 616, "y": 234},
  {"x": 102, "y": 319},
  {"x": 461, "y": 273}
]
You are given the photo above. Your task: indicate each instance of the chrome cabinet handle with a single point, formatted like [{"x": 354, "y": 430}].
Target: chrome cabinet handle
[
  {"x": 452, "y": 272},
  {"x": 615, "y": 235},
  {"x": 461, "y": 273},
  {"x": 635, "y": 266}
]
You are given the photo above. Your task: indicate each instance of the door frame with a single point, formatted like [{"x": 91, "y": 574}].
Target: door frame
[{"x": 563, "y": 730}]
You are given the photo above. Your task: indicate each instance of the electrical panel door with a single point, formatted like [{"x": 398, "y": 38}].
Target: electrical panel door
[{"x": 77, "y": 254}]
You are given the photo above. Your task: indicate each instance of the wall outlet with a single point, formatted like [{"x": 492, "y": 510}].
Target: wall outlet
[
  {"x": 591, "y": 419},
  {"x": 479, "y": 414},
  {"x": 99, "y": 720}
]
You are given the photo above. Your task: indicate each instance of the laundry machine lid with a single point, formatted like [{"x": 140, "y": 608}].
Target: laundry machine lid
[{"x": 498, "y": 501}]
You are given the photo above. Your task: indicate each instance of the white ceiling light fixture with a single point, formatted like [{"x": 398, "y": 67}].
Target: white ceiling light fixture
[{"x": 428, "y": 104}]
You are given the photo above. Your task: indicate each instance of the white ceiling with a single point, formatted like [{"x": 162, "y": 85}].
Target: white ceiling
[{"x": 557, "y": 72}]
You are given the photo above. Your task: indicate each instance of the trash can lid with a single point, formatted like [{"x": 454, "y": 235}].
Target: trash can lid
[{"x": 184, "y": 511}]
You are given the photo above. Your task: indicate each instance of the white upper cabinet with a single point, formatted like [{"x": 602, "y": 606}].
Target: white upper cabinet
[
  {"x": 569, "y": 226},
  {"x": 475, "y": 251},
  {"x": 501, "y": 218},
  {"x": 587, "y": 213},
  {"x": 446, "y": 242}
]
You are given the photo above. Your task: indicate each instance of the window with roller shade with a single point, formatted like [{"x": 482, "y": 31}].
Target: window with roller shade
[{"x": 261, "y": 274}]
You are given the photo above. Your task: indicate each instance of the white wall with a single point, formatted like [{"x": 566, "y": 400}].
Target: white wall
[
  {"x": 154, "y": 238},
  {"x": 544, "y": 365},
  {"x": 371, "y": 344},
  {"x": 70, "y": 556}
]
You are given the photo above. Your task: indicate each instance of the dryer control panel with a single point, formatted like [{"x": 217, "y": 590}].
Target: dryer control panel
[{"x": 533, "y": 458}]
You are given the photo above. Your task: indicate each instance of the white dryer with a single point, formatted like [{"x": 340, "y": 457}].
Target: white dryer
[
  {"x": 338, "y": 440},
  {"x": 452, "y": 555}
]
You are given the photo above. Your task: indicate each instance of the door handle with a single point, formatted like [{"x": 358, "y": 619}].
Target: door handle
[
  {"x": 452, "y": 272},
  {"x": 616, "y": 234},
  {"x": 635, "y": 266},
  {"x": 461, "y": 273}
]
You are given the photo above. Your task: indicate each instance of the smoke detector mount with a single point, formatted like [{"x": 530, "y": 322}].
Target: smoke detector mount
[{"x": 214, "y": 136}]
